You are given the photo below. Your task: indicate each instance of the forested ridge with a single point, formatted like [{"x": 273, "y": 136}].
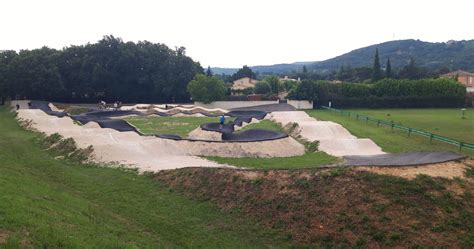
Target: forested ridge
[
  {"x": 431, "y": 56},
  {"x": 110, "y": 70}
]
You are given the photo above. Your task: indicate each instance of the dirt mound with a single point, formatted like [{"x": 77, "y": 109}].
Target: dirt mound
[
  {"x": 340, "y": 208},
  {"x": 284, "y": 147},
  {"x": 3, "y": 236},
  {"x": 200, "y": 134},
  {"x": 333, "y": 138},
  {"x": 449, "y": 170},
  {"x": 127, "y": 148}
]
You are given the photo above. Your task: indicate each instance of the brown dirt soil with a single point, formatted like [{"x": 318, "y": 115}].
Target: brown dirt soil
[
  {"x": 449, "y": 170},
  {"x": 3, "y": 236},
  {"x": 340, "y": 207}
]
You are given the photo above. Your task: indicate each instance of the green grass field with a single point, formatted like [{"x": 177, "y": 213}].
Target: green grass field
[
  {"x": 48, "y": 203},
  {"x": 181, "y": 126},
  {"x": 308, "y": 160},
  {"x": 441, "y": 121},
  {"x": 444, "y": 122}
]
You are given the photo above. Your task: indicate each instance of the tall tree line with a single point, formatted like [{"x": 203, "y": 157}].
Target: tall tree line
[{"x": 108, "y": 70}]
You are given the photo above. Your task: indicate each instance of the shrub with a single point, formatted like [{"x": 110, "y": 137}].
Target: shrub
[
  {"x": 385, "y": 93},
  {"x": 262, "y": 88},
  {"x": 206, "y": 89}
]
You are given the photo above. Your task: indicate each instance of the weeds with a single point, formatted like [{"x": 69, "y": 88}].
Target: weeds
[
  {"x": 65, "y": 148},
  {"x": 293, "y": 129}
]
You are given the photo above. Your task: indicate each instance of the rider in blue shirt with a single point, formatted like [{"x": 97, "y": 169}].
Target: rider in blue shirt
[{"x": 221, "y": 121}]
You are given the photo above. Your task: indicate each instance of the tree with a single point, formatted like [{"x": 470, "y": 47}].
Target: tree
[
  {"x": 6, "y": 79},
  {"x": 376, "y": 73},
  {"x": 288, "y": 85},
  {"x": 412, "y": 71},
  {"x": 209, "y": 71},
  {"x": 388, "y": 69},
  {"x": 206, "y": 89},
  {"x": 262, "y": 88},
  {"x": 305, "y": 70},
  {"x": 274, "y": 83},
  {"x": 345, "y": 73},
  {"x": 245, "y": 71},
  {"x": 443, "y": 70},
  {"x": 108, "y": 70}
]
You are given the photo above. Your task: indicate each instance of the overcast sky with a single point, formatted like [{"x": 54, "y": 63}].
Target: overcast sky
[{"x": 231, "y": 33}]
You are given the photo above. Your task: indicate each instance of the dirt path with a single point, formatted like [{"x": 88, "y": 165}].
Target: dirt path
[
  {"x": 447, "y": 170},
  {"x": 334, "y": 139}
]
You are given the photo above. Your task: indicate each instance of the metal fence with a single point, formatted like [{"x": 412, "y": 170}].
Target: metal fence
[{"x": 431, "y": 136}]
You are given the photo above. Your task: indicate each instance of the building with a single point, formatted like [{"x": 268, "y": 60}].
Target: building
[
  {"x": 243, "y": 83},
  {"x": 286, "y": 78},
  {"x": 465, "y": 78}
]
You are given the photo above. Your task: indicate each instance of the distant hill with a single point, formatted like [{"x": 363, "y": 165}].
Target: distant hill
[
  {"x": 274, "y": 69},
  {"x": 452, "y": 54}
]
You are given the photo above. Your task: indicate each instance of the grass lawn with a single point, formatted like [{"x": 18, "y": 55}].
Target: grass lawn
[
  {"x": 48, "y": 203},
  {"x": 308, "y": 160},
  {"x": 398, "y": 141},
  {"x": 264, "y": 124},
  {"x": 181, "y": 126},
  {"x": 444, "y": 122}
]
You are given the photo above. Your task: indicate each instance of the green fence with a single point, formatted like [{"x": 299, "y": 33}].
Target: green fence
[{"x": 410, "y": 131}]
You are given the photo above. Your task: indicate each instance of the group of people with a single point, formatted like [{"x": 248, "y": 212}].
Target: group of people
[{"x": 117, "y": 105}]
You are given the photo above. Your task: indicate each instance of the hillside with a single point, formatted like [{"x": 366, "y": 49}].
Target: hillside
[
  {"x": 277, "y": 68},
  {"x": 433, "y": 56},
  {"x": 453, "y": 54}
]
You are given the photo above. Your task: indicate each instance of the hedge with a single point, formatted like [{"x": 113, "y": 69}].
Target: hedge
[{"x": 385, "y": 93}]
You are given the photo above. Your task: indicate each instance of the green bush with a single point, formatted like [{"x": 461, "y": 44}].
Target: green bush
[
  {"x": 206, "y": 89},
  {"x": 262, "y": 88},
  {"x": 385, "y": 93}
]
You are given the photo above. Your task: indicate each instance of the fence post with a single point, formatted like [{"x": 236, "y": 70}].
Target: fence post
[
  {"x": 431, "y": 137},
  {"x": 460, "y": 146},
  {"x": 366, "y": 119},
  {"x": 357, "y": 116},
  {"x": 409, "y": 131},
  {"x": 378, "y": 122},
  {"x": 392, "y": 125}
]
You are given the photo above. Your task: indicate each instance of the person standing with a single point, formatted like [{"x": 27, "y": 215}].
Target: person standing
[{"x": 221, "y": 121}]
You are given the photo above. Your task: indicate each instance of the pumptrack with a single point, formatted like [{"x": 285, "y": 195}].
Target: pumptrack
[{"x": 110, "y": 119}]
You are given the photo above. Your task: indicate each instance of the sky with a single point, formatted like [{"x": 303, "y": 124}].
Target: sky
[{"x": 232, "y": 33}]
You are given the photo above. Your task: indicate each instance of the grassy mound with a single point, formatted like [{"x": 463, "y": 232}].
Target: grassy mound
[{"x": 341, "y": 208}]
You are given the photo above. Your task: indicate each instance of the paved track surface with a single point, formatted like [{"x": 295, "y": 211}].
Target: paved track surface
[
  {"x": 403, "y": 159},
  {"x": 104, "y": 120}
]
